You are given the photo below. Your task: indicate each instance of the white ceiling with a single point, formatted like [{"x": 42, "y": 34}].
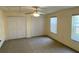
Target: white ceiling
[{"x": 27, "y": 9}]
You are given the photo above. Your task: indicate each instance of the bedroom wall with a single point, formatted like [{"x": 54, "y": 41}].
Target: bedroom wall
[
  {"x": 2, "y": 28},
  {"x": 64, "y": 27}
]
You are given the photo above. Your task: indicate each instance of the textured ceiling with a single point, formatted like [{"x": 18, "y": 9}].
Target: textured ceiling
[{"x": 44, "y": 9}]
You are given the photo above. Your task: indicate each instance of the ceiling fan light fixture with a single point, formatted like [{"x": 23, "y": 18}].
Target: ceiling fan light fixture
[{"x": 36, "y": 14}]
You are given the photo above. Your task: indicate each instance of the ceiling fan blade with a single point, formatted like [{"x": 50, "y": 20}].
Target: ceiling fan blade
[
  {"x": 30, "y": 12},
  {"x": 36, "y": 9},
  {"x": 41, "y": 13}
]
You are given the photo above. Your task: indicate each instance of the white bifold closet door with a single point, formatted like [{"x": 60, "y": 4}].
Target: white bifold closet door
[
  {"x": 37, "y": 26},
  {"x": 16, "y": 27}
]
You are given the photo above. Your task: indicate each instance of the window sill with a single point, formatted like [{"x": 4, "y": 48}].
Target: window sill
[
  {"x": 75, "y": 41},
  {"x": 53, "y": 33}
]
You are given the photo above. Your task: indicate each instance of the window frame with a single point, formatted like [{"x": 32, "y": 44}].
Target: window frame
[
  {"x": 71, "y": 27},
  {"x": 56, "y": 25}
]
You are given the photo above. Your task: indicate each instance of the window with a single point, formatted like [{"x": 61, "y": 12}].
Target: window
[
  {"x": 75, "y": 28},
  {"x": 53, "y": 24}
]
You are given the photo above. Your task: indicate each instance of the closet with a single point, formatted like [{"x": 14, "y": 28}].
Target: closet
[
  {"x": 22, "y": 27},
  {"x": 16, "y": 27},
  {"x": 37, "y": 26}
]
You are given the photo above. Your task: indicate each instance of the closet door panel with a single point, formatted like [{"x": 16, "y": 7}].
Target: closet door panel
[
  {"x": 11, "y": 28},
  {"x": 37, "y": 26},
  {"x": 16, "y": 27},
  {"x": 21, "y": 27}
]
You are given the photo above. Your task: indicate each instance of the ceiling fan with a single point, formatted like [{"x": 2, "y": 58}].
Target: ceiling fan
[{"x": 36, "y": 11}]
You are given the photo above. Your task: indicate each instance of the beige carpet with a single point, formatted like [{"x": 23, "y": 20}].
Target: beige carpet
[{"x": 34, "y": 45}]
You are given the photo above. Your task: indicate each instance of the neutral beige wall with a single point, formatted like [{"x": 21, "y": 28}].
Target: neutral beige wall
[
  {"x": 29, "y": 26},
  {"x": 64, "y": 27},
  {"x": 2, "y": 25},
  {"x": 2, "y": 28}
]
